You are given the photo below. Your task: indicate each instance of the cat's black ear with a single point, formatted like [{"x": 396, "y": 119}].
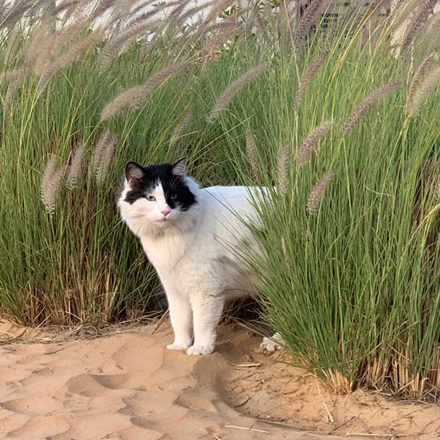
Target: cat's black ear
[
  {"x": 134, "y": 171},
  {"x": 179, "y": 167}
]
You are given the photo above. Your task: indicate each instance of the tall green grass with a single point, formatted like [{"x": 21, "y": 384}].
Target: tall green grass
[{"x": 350, "y": 276}]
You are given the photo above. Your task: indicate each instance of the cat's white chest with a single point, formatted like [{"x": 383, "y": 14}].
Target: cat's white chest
[{"x": 165, "y": 253}]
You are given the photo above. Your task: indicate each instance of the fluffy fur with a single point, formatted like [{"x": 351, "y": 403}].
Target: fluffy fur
[{"x": 191, "y": 236}]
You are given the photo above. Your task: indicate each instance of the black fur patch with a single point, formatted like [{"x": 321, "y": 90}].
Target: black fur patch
[{"x": 146, "y": 179}]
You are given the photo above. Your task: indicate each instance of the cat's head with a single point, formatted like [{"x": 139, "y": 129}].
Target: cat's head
[{"x": 156, "y": 197}]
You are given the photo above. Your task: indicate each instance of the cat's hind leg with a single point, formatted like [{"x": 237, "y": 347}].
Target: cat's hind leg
[
  {"x": 181, "y": 321},
  {"x": 207, "y": 310},
  {"x": 276, "y": 342}
]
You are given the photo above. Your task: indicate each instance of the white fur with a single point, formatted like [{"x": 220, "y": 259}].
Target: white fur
[
  {"x": 276, "y": 342},
  {"x": 193, "y": 255}
]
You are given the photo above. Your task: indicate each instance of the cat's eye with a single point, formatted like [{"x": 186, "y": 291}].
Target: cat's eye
[
  {"x": 151, "y": 198},
  {"x": 173, "y": 197}
]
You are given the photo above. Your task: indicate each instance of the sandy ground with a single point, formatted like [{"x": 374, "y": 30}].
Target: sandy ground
[{"x": 127, "y": 386}]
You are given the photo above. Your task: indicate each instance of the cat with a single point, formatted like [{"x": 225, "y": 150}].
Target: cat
[{"x": 191, "y": 236}]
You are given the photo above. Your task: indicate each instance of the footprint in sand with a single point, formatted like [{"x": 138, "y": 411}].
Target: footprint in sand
[
  {"x": 111, "y": 381},
  {"x": 41, "y": 428},
  {"x": 94, "y": 385},
  {"x": 33, "y": 405}
]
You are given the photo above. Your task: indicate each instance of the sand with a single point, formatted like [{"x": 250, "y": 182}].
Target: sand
[{"x": 127, "y": 386}]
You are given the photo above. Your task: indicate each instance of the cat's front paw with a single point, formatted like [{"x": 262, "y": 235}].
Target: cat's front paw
[
  {"x": 276, "y": 342},
  {"x": 200, "y": 350},
  {"x": 177, "y": 347}
]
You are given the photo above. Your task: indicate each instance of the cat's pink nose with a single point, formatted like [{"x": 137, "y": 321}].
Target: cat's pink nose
[{"x": 165, "y": 212}]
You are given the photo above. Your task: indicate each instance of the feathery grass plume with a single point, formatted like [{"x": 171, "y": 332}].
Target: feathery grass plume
[
  {"x": 135, "y": 97},
  {"x": 50, "y": 184},
  {"x": 11, "y": 75},
  {"x": 2, "y": 9},
  {"x": 68, "y": 4},
  {"x": 75, "y": 168},
  {"x": 417, "y": 22},
  {"x": 227, "y": 24},
  {"x": 142, "y": 5},
  {"x": 224, "y": 34},
  {"x": 308, "y": 76},
  {"x": 418, "y": 77},
  {"x": 429, "y": 34},
  {"x": 305, "y": 23},
  {"x": 181, "y": 126},
  {"x": 373, "y": 98},
  {"x": 310, "y": 143},
  {"x": 105, "y": 158},
  {"x": 10, "y": 93},
  {"x": 114, "y": 46},
  {"x": 38, "y": 48},
  {"x": 70, "y": 32},
  {"x": 100, "y": 8},
  {"x": 253, "y": 157},
  {"x": 120, "y": 102},
  {"x": 15, "y": 13},
  {"x": 211, "y": 17},
  {"x": 283, "y": 165},
  {"x": 176, "y": 24},
  {"x": 227, "y": 95},
  {"x": 103, "y": 141},
  {"x": 13, "y": 42},
  {"x": 168, "y": 23},
  {"x": 428, "y": 84},
  {"x": 141, "y": 18},
  {"x": 317, "y": 192},
  {"x": 121, "y": 8},
  {"x": 72, "y": 55}
]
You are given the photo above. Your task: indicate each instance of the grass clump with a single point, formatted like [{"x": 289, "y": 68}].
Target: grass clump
[
  {"x": 350, "y": 274},
  {"x": 69, "y": 127}
]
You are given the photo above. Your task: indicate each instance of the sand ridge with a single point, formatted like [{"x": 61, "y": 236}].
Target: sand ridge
[{"x": 127, "y": 386}]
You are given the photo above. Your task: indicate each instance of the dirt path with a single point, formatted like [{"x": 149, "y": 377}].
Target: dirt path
[{"x": 127, "y": 386}]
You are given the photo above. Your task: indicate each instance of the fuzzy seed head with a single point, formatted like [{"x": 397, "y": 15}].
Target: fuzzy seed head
[
  {"x": 69, "y": 57},
  {"x": 11, "y": 75},
  {"x": 75, "y": 169},
  {"x": 104, "y": 154},
  {"x": 362, "y": 109},
  {"x": 181, "y": 126},
  {"x": 253, "y": 157},
  {"x": 417, "y": 22},
  {"x": 227, "y": 95},
  {"x": 14, "y": 84},
  {"x": 50, "y": 184},
  {"x": 306, "y": 22},
  {"x": 114, "y": 46},
  {"x": 318, "y": 191},
  {"x": 283, "y": 165},
  {"x": 417, "y": 78},
  {"x": 223, "y": 34},
  {"x": 311, "y": 142},
  {"x": 423, "y": 90},
  {"x": 308, "y": 76},
  {"x": 135, "y": 97},
  {"x": 120, "y": 102}
]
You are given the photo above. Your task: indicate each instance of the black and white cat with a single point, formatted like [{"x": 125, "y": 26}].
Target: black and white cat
[{"x": 189, "y": 234}]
